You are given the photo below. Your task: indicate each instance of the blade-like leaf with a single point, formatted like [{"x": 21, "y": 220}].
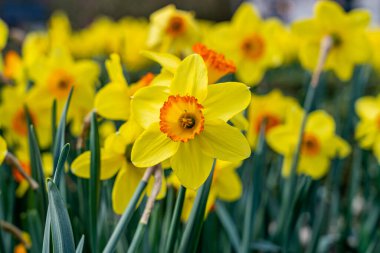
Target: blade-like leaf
[
  {"x": 63, "y": 239},
  {"x": 80, "y": 245},
  {"x": 94, "y": 181}
]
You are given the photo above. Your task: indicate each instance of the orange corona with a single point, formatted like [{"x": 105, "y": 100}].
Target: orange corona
[
  {"x": 181, "y": 118},
  {"x": 310, "y": 145},
  {"x": 176, "y": 26},
  {"x": 217, "y": 65},
  {"x": 253, "y": 47}
]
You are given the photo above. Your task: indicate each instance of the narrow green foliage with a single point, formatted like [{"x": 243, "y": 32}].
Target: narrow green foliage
[
  {"x": 228, "y": 224},
  {"x": 94, "y": 186},
  {"x": 63, "y": 239},
  {"x": 137, "y": 238},
  {"x": 190, "y": 238},
  {"x": 175, "y": 220},
  {"x": 80, "y": 245},
  {"x": 125, "y": 218},
  {"x": 59, "y": 139}
]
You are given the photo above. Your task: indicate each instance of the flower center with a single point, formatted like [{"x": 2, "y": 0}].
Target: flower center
[
  {"x": 181, "y": 118},
  {"x": 176, "y": 26},
  {"x": 19, "y": 122},
  {"x": 60, "y": 83},
  {"x": 217, "y": 65},
  {"x": 310, "y": 145},
  {"x": 271, "y": 121},
  {"x": 253, "y": 46},
  {"x": 336, "y": 39}
]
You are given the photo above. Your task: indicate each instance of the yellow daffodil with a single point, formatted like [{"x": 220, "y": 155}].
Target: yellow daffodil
[
  {"x": 59, "y": 31},
  {"x": 3, "y": 149},
  {"x": 3, "y": 34},
  {"x": 320, "y": 144},
  {"x": 186, "y": 122},
  {"x": 13, "y": 117},
  {"x": 347, "y": 32},
  {"x": 35, "y": 48},
  {"x": 113, "y": 100},
  {"x": 173, "y": 31},
  {"x": 250, "y": 43},
  {"x": 56, "y": 75},
  {"x": 115, "y": 158},
  {"x": 273, "y": 108},
  {"x": 368, "y": 129}
]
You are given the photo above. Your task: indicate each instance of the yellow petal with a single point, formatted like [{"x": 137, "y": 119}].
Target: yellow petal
[
  {"x": 225, "y": 100},
  {"x": 359, "y": 19},
  {"x": 190, "y": 79},
  {"x": 282, "y": 139},
  {"x": 3, "y": 149},
  {"x": 329, "y": 13},
  {"x": 190, "y": 165},
  {"x": 228, "y": 185},
  {"x": 314, "y": 166},
  {"x": 367, "y": 108},
  {"x": 3, "y": 34},
  {"x": 109, "y": 164},
  {"x": 343, "y": 149},
  {"x": 113, "y": 102},
  {"x": 240, "y": 121},
  {"x": 167, "y": 61},
  {"x": 222, "y": 141},
  {"x": 115, "y": 143},
  {"x": 125, "y": 185},
  {"x": 130, "y": 130},
  {"x": 321, "y": 124},
  {"x": 115, "y": 70},
  {"x": 250, "y": 72},
  {"x": 146, "y": 104},
  {"x": 152, "y": 147},
  {"x": 246, "y": 15}
]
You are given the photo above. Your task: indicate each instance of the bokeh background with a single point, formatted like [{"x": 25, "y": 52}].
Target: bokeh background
[{"x": 34, "y": 13}]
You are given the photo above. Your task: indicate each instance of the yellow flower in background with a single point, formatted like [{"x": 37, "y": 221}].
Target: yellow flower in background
[
  {"x": 59, "y": 30},
  {"x": 248, "y": 41},
  {"x": 13, "y": 117},
  {"x": 347, "y": 31},
  {"x": 55, "y": 75},
  {"x": 3, "y": 34},
  {"x": 134, "y": 34},
  {"x": 186, "y": 122},
  {"x": 320, "y": 144},
  {"x": 368, "y": 129},
  {"x": 226, "y": 186},
  {"x": 273, "y": 108},
  {"x": 3, "y": 149},
  {"x": 115, "y": 158},
  {"x": 35, "y": 48},
  {"x": 113, "y": 100},
  {"x": 173, "y": 31}
]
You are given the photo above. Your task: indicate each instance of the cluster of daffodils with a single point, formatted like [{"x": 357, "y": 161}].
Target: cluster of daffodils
[{"x": 184, "y": 94}]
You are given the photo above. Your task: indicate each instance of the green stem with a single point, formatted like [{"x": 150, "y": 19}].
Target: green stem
[
  {"x": 175, "y": 219},
  {"x": 137, "y": 238},
  {"x": 190, "y": 238},
  {"x": 127, "y": 215}
]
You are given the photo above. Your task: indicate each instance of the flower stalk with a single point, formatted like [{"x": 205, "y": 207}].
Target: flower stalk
[{"x": 13, "y": 161}]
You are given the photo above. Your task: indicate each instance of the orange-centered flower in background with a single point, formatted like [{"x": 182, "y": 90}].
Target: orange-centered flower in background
[
  {"x": 186, "y": 122},
  {"x": 319, "y": 145},
  {"x": 217, "y": 65}
]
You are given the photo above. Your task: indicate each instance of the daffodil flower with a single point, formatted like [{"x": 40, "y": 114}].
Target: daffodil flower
[
  {"x": 115, "y": 158},
  {"x": 250, "y": 43},
  {"x": 172, "y": 30},
  {"x": 186, "y": 122},
  {"x": 320, "y": 144},
  {"x": 368, "y": 129},
  {"x": 347, "y": 31},
  {"x": 273, "y": 108},
  {"x": 3, "y": 34}
]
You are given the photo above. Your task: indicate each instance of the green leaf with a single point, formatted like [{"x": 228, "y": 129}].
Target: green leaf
[
  {"x": 59, "y": 139},
  {"x": 125, "y": 218},
  {"x": 94, "y": 182},
  {"x": 80, "y": 245},
  {"x": 175, "y": 220},
  {"x": 57, "y": 179},
  {"x": 137, "y": 238},
  {"x": 228, "y": 224},
  {"x": 37, "y": 173},
  {"x": 63, "y": 239},
  {"x": 190, "y": 238}
]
